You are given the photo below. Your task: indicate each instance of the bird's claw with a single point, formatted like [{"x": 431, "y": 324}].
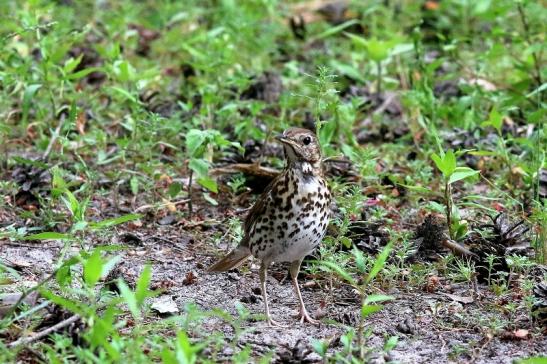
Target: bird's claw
[
  {"x": 305, "y": 317},
  {"x": 273, "y": 323}
]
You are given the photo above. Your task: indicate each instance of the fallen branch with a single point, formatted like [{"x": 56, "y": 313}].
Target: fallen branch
[
  {"x": 44, "y": 333},
  {"x": 252, "y": 169},
  {"x": 458, "y": 249}
]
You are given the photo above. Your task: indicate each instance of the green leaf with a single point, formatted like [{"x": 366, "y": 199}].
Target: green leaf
[
  {"x": 210, "y": 199},
  {"x": 208, "y": 183},
  {"x": 134, "y": 185},
  {"x": 72, "y": 63},
  {"x": 378, "y": 298},
  {"x": 110, "y": 264},
  {"x": 129, "y": 298},
  {"x": 495, "y": 119},
  {"x": 332, "y": 267},
  {"x": 93, "y": 268},
  {"x": 141, "y": 290},
  {"x": 50, "y": 235},
  {"x": 416, "y": 188},
  {"x": 320, "y": 346},
  {"x": 446, "y": 164},
  {"x": 168, "y": 357},
  {"x": 199, "y": 166},
  {"x": 30, "y": 162},
  {"x": 377, "y": 50},
  {"x": 194, "y": 140},
  {"x": 379, "y": 263},
  {"x": 70, "y": 305},
  {"x": 115, "y": 221},
  {"x": 461, "y": 173},
  {"x": 83, "y": 73},
  {"x": 346, "y": 242},
  {"x": 359, "y": 259},
  {"x": 28, "y": 96},
  {"x": 533, "y": 360},
  {"x": 125, "y": 94},
  {"x": 435, "y": 206},
  {"x": 483, "y": 153},
  {"x": 336, "y": 29},
  {"x": 71, "y": 203},
  {"x": 368, "y": 310},
  {"x": 63, "y": 276},
  {"x": 391, "y": 343},
  {"x": 174, "y": 189},
  {"x": 538, "y": 90},
  {"x": 123, "y": 70}
]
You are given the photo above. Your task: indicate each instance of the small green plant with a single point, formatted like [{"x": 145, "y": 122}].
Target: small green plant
[
  {"x": 446, "y": 163},
  {"x": 462, "y": 271},
  {"x": 200, "y": 145},
  {"x": 355, "y": 338},
  {"x": 379, "y": 52}
]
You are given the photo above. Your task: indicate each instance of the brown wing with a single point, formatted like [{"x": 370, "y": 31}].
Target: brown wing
[{"x": 258, "y": 210}]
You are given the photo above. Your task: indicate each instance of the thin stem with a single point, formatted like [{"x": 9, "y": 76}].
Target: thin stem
[
  {"x": 361, "y": 327},
  {"x": 379, "y": 79},
  {"x": 448, "y": 201},
  {"x": 190, "y": 194},
  {"x": 535, "y": 56}
]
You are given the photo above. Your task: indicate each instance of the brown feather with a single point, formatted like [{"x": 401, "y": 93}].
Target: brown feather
[{"x": 232, "y": 260}]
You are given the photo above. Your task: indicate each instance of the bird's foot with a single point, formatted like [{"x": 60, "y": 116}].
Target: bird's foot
[
  {"x": 272, "y": 323},
  {"x": 305, "y": 317}
]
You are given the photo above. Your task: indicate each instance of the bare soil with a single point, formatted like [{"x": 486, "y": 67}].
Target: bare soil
[{"x": 432, "y": 327}]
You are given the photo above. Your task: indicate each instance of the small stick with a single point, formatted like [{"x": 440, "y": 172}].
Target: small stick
[
  {"x": 146, "y": 207},
  {"x": 457, "y": 248},
  {"x": 44, "y": 333},
  {"x": 190, "y": 194}
]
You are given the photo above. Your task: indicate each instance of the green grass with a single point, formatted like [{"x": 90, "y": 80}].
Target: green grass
[{"x": 131, "y": 102}]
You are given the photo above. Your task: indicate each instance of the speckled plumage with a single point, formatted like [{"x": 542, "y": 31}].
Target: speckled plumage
[{"x": 289, "y": 220}]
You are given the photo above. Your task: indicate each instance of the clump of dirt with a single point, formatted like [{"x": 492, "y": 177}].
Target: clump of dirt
[
  {"x": 367, "y": 236},
  {"x": 266, "y": 87},
  {"x": 539, "y": 310},
  {"x": 146, "y": 36},
  {"x": 429, "y": 236},
  {"x": 34, "y": 182},
  {"x": 496, "y": 241}
]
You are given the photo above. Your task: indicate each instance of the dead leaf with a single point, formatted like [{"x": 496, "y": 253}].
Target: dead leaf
[
  {"x": 521, "y": 334},
  {"x": 81, "y": 121},
  {"x": 484, "y": 84},
  {"x": 458, "y": 298},
  {"x": 190, "y": 278},
  {"x": 165, "y": 306},
  {"x": 8, "y": 300}
]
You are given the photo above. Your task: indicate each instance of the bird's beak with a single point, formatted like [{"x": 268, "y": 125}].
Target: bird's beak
[{"x": 284, "y": 140}]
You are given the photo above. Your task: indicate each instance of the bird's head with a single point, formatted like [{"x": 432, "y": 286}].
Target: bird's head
[{"x": 301, "y": 145}]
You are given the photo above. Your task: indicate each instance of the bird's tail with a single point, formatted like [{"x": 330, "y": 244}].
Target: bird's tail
[{"x": 232, "y": 260}]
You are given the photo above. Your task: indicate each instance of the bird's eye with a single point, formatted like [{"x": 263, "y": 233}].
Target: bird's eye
[{"x": 306, "y": 140}]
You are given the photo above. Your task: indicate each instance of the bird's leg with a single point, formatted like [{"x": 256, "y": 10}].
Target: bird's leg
[
  {"x": 304, "y": 315},
  {"x": 263, "y": 273}
]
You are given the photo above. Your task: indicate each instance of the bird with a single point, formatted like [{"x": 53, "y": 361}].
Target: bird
[{"x": 289, "y": 219}]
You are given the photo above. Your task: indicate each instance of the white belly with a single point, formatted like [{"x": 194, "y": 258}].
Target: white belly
[{"x": 295, "y": 231}]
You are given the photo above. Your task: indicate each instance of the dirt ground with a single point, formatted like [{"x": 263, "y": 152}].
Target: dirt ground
[{"x": 432, "y": 327}]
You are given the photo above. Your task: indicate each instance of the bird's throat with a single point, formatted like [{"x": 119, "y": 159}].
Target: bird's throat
[{"x": 306, "y": 169}]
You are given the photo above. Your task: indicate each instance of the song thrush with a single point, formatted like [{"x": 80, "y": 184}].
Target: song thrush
[{"x": 289, "y": 220}]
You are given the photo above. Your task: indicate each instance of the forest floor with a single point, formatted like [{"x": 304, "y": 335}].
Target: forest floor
[{"x": 136, "y": 135}]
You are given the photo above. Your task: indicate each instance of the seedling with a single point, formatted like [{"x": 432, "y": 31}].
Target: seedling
[{"x": 446, "y": 163}]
